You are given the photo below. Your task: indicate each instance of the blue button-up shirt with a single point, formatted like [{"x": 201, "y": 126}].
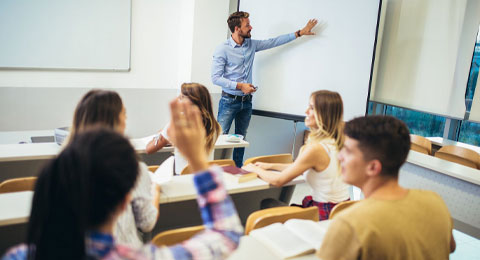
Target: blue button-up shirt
[{"x": 233, "y": 63}]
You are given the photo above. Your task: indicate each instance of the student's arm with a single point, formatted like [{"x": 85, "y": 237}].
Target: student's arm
[
  {"x": 313, "y": 156},
  {"x": 273, "y": 166},
  {"x": 156, "y": 144}
]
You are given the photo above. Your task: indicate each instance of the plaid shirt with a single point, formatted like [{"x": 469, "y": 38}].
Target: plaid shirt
[{"x": 220, "y": 238}]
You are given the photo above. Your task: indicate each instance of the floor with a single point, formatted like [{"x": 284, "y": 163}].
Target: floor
[{"x": 468, "y": 248}]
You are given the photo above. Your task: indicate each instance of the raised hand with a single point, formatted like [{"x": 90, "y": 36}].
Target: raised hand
[{"x": 187, "y": 133}]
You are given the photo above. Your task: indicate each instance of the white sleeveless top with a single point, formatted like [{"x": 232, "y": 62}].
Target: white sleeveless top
[{"x": 327, "y": 185}]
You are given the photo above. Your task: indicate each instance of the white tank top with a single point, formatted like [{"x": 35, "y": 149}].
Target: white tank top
[{"x": 327, "y": 185}]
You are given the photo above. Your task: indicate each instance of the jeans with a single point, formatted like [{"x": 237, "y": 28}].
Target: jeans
[{"x": 229, "y": 109}]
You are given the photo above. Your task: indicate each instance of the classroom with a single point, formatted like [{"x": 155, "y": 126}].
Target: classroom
[{"x": 414, "y": 60}]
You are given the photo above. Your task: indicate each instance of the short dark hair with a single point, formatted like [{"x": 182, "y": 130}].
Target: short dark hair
[
  {"x": 384, "y": 138},
  {"x": 235, "y": 19},
  {"x": 78, "y": 191}
]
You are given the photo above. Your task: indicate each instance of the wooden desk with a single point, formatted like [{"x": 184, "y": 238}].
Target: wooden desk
[
  {"x": 458, "y": 185},
  {"x": 439, "y": 141},
  {"x": 15, "y": 207},
  {"x": 24, "y": 160},
  {"x": 250, "y": 248}
]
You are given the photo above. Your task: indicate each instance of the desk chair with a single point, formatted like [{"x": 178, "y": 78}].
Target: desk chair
[
  {"x": 265, "y": 217},
  {"x": 153, "y": 168},
  {"x": 175, "y": 236},
  {"x": 460, "y": 155},
  {"x": 18, "y": 184},
  {"x": 420, "y": 144},
  {"x": 341, "y": 206},
  {"x": 277, "y": 158},
  {"x": 221, "y": 162}
]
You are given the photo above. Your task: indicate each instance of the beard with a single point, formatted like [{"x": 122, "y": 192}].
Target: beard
[{"x": 246, "y": 35}]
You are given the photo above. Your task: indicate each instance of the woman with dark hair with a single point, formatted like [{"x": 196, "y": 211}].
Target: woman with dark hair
[
  {"x": 199, "y": 96},
  {"x": 80, "y": 194},
  {"x": 105, "y": 108},
  {"x": 317, "y": 159}
]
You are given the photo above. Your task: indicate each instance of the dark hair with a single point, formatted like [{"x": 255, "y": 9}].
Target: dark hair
[
  {"x": 79, "y": 191},
  {"x": 97, "y": 107},
  {"x": 381, "y": 137},
  {"x": 198, "y": 94},
  {"x": 235, "y": 19}
]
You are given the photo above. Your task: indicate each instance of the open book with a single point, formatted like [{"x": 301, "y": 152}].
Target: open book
[
  {"x": 295, "y": 237},
  {"x": 238, "y": 175}
]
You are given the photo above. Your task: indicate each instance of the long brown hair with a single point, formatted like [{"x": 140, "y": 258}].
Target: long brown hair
[
  {"x": 328, "y": 112},
  {"x": 198, "y": 94},
  {"x": 97, "y": 108}
]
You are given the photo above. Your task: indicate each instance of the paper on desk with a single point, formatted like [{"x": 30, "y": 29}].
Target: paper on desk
[
  {"x": 164, "y": 172},
  {"x": 145, "y": 140}
]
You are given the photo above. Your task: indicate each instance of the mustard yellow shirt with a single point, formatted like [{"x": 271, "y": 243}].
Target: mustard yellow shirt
[{"x": 417, "y": 226}]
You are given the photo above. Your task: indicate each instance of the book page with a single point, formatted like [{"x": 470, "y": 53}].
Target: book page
[
  {"x": 281, "y": 241},
  {"x": 310, "y": 231},
  {"x": 164, "y": 173}
]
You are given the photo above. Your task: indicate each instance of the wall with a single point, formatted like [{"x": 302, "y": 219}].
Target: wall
[{"x": 162, "y": 57}]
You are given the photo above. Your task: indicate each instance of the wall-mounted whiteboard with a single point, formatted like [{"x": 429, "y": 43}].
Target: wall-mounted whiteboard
[
  {"x": 65, "y": 34},
  {"x": 338, "y": 58}
]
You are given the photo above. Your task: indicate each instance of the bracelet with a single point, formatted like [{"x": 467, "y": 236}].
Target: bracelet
[{"x": 297, "y": 33}]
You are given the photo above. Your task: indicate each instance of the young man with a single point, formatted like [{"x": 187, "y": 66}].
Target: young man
[
  {"x": 392, "y": 222},
  {"x": 232, "y": 70}
]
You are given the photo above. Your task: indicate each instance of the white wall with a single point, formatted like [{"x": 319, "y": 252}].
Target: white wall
[{"x": 171, "y": 43}]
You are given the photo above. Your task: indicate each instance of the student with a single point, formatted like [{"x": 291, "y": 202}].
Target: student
[
  {"x": 79, "y": 195},
  {"x": 200, "y": 97},
  {"x": 392, "y": 222},
  {"x": 317, "y": 159},
  {"x": 105, "y": 108}
]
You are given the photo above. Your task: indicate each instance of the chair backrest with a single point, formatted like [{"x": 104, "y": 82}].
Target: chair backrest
[
  {"x": 459, "y": 155},
  {"x": 420, "y": 144},
  {"x": 276, "y": 158},
  {"x": 221, "y": 162},
  {"x": 265, "y": 217},
  {"x": 153, "y": 168},
  {"x": 175, "y": 236},
  {"x": 341, "y": 206},
  {"x": 18, "y": 184}
]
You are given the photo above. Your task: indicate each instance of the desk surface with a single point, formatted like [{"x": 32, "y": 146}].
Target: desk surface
[
  {"x": 39, "y": 151},
  {"x": 180, "y": 188},
  {"x": 443, "y": 142},
  {"x": 445, "y": 167}
]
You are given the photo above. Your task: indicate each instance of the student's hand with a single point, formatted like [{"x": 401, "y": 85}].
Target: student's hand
[
  {"x": 307, "y": 30},
  {"x": 251, "y": 168},
  {"x": 263, "y": 165},
  {"x": 187, "y": 133},
  {"x": 246, "y": 88}
]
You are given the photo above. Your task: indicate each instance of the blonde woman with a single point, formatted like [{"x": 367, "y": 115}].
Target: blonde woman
[
  {"x": 199, "y": 96},
  {"x": 317, "y": 160}
]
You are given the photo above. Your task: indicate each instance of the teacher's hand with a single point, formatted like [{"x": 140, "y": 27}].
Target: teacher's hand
[
  {"x": 307, "y": 30},
  {"x": 246, "y": 88}
]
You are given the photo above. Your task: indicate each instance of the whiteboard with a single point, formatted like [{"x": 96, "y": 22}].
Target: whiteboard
[
  {"x": 65, "y": 34},
  {"x": 338, "y": 58}
]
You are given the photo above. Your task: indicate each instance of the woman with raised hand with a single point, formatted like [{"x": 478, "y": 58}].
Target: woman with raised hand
[
  {"x": 199, "y": 96},
  {"x": 80, "y": 194},
  {"x": 317, "y": 159},
  {"x": 105, "y": 108}
]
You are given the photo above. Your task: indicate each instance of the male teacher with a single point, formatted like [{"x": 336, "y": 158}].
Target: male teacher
[{"x": 232, "y": 70}]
